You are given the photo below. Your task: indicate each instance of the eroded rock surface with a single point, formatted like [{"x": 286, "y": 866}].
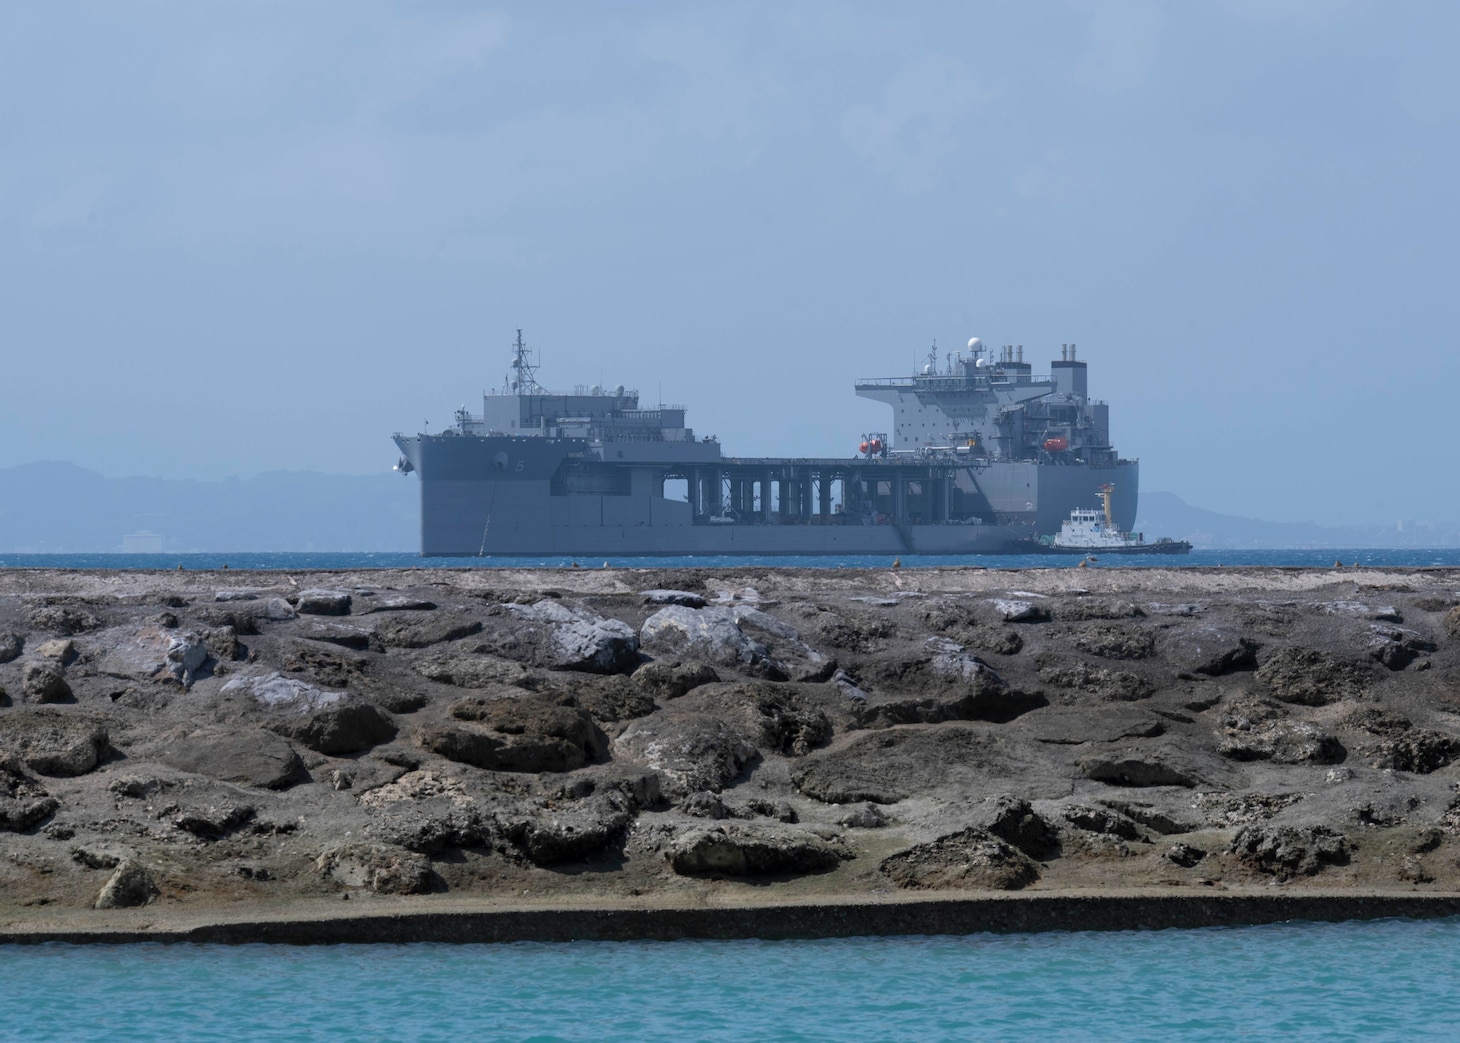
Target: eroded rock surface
[{"x": 543, "y": 735}]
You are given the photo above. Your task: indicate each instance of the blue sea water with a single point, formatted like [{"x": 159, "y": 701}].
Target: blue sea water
[
  {"x": 1406, "y": 558},
  {"x": 1385, "y": 980}
]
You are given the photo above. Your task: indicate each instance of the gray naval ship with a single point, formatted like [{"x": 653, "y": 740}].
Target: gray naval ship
[{"x": 983, "y": 454}]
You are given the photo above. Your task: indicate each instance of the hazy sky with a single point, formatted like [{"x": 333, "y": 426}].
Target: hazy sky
[{"x": 246, "y": 236}]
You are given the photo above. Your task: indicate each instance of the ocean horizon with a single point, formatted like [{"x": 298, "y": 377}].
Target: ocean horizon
[{"x": 352, "y": 560}]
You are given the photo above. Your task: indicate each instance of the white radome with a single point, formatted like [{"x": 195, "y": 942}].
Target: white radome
[{"x": 974, "y": 344}]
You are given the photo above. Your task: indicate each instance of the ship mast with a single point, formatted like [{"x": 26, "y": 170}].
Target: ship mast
[{"x": 526, "y": 382}]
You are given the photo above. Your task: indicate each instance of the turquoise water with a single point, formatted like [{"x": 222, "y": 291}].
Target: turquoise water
[
  {"x": 1408, "y": 558},
  {"x": 1380, "y": 980}
]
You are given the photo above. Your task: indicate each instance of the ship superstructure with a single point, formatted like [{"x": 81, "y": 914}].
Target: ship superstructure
[{"x": 976, "y": 462}]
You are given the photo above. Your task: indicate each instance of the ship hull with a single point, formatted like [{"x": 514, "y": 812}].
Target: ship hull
[{"x": 498, "y": 496}]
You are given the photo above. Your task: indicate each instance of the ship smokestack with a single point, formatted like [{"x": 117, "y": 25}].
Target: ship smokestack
[{"x": 1020, "y": 357}]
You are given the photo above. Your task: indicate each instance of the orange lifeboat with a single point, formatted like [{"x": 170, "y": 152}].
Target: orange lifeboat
[
  {"x": 863, "y": 448},
  {"x": 876, "y": 446},
  {"x": 1056, "y": 445}
]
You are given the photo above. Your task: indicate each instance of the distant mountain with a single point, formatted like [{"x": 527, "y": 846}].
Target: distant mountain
[
  {"x": 59, "y": 507},
  {"x": 1165, "y": 514}
]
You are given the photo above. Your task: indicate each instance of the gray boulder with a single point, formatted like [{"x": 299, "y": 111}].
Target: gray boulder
[
  {"x": 1286, "y": 852},
  {"x": 131, "y": 885},
  {"x": 24, "y": 802},
  {"x": 155, "y": 654},
  {"x": 1282, "y": 742},
  {"x": 736, "y": 850},
  {"x": 710, "y": 634},
  {"x": 43, "y": 682},
  {"x": 1210, "y": 650},
  {"x": 248, "y": 757},
  {"x": 52, "y": 742},
  {"x": 416, "y": 632},
  {"x": 277, "y": 610},
  {"x": 970, "y": 858},
  {"x": 673, "y": 597},
  {"x": 691, "y": 751},
  {"x": 321, "y": 602},
  {"x": 581, "y": 640},
  {"x": 1012, "y": 611},
  {"x": 11, "y": 645},
  {"x": 670, "y": 680},
  {"x": 325, "y": 721},
  {"x": 525, "y": 734},
  {"x": 378, "y": 868},
  {"x": 1309, "y": 677},
  {"x": 1134, "y": 769}
]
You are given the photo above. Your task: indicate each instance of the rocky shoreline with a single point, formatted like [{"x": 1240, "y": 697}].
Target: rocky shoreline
[{"x": 493, "y": 754}]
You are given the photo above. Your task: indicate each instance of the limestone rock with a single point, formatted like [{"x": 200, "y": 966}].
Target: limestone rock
[
  {"x": 321, "y": 602},
  {"x": 673, "y": 597},
  {"x": 1452, "y": 622},
  {"x": 1395, "y": 646},
  {"x": 1104, "y": 821},
  {"x": 378, "y": 868},
  {"x": 1210, "y": 650},
  {"x": 572, "y": 831},
  {"x": 1114, "y": 685},
  {"x": 24, "y": 802},
  {"x": 11, "y": 645},
  {"x": 957, "y": 686},
  {"x": 247, "y": 756},
  {"x": 473, "y": 671},
  {"x": 691, "y": 751},
  {"x": 131, "y": 885},
  {"x": 969, "y": 858},
  {"x": 717, "y": 634},
  {"x": 735, "y": 850},
  {"x": 1015, "y": 820},
  {"x": 670, "y": 680},
  {"x": 52, "y": 742},
  {"x": 64, "y": 619},
  {"x": 1184, "y": 855},
  {"x": 1134, "y": 769},
  {"x": 1012, "y": 611},
  {"x": 1420, "y": 750},
  {"x": 327, "y": 722},
  {"x": 277, "y": 610},
  {"x": 421, "y": 633},
  {"x": 156, "y": 654},
  {"x": 1084, "y": 609},
  {"x": 401, "y": 604},
  {"x": 360, "y": 639},
  {"x": 1114, "y": 642},
  {"x": 235, "y": 595},
  {"x": 1286, "y": 852},
  {"x": 60, "y": 650},
  {"x": 518, "y": 734},
  {"x": 43, "y": 682},
  {"x": 1310, "y": 677},
  {"x": 776, "y": 718},
  {"x": 885, "y": 767},
  {"x": 215, "y": 821},
  {"x": 863, "y": 816},
  {"x": 1282, "y": 742}
]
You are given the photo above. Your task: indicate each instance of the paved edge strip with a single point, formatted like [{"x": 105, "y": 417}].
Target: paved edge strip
[{"x": 938, "y": 916}]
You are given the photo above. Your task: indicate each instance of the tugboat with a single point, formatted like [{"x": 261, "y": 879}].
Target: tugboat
[{"x": 1089, "y": 529}]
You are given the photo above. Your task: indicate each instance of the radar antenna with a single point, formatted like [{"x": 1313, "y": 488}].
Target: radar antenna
[
  {"x": 524, "y": 370},
  {"x": 933, "y": 357}
]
